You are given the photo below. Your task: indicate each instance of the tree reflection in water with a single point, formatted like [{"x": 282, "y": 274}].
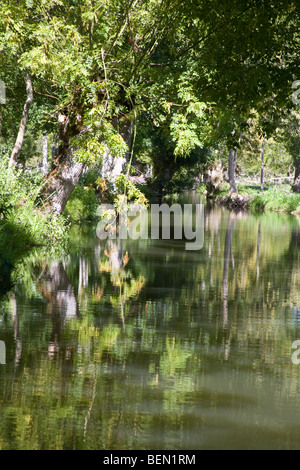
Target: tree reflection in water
[{"x": 152, "y": 345}]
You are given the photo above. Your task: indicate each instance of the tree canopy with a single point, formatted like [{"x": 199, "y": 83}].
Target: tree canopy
[{"x": 199, "y": 71}]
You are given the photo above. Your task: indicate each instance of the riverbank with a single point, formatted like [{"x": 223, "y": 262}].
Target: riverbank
[
  {"x": 25, "y": 226},
  {"x": 274, "y": 197}
]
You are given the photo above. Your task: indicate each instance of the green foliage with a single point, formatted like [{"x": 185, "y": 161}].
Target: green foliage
[
  {"x": 100, "y": 140},
  {"x": 278, "y": 158},
  {"x": 170, "y": 173},
  {"x": 22, "y": 222},
  {"x": 187, "y": 129},
  {"x": 277, "y": 198},
  {"x": 82, "y": 205},
  {"x": 197, "y": 71},
  {"x": 129, "y": 189},
  {"x": 185, "y": 135}
]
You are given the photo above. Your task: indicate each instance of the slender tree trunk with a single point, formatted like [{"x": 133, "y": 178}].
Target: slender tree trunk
[
  {"x": 232, "y": 165},
  {"x": 296, "y": 185},
  {"x": 231, "y": 170},
  {"x": 45, "y": 153},
  {"x": 2, "y": 92},
  {"x": 262, "y": 163},
  {"x": 54, "y": 146},
  {"x": 18, "y": 145}
]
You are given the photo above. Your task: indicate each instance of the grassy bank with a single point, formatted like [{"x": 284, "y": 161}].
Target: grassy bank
[
  {"x": 22, "y": 222},
  {"x": 275, "y": 197},
  {"x": 24, "y": 225}
]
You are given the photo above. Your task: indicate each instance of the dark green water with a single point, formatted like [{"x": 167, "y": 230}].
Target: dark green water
[{"x": 149, "y": 346}]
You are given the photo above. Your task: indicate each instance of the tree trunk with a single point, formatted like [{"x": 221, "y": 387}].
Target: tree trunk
[
  {"x": 126, "y": 131},
  {"x": 65, "y": 173},
  {"x": 232, "y": 164},
  {"x": 296, "y": 185},
  {"x": 18, "y": 145},
  {"x": 45, "y": 153},
  {"x": 54, "y": 146},
  {"x": 2, "y": 92},
  {"x": 231, "y": 170},
  {"x": 61, "y": 181}
]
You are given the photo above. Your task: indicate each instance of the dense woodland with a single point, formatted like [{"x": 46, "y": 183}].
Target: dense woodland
[{"x": 144, "y": 97}]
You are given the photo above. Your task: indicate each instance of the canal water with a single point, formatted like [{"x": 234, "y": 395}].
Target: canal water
[{"x": 145, "y": 345}]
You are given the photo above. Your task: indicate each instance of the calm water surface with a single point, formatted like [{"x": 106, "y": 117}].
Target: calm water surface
[{"x": 145, "y": 345}]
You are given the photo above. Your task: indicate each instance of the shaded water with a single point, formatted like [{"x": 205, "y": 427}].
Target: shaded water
[{"x": 145, "y": 345}]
